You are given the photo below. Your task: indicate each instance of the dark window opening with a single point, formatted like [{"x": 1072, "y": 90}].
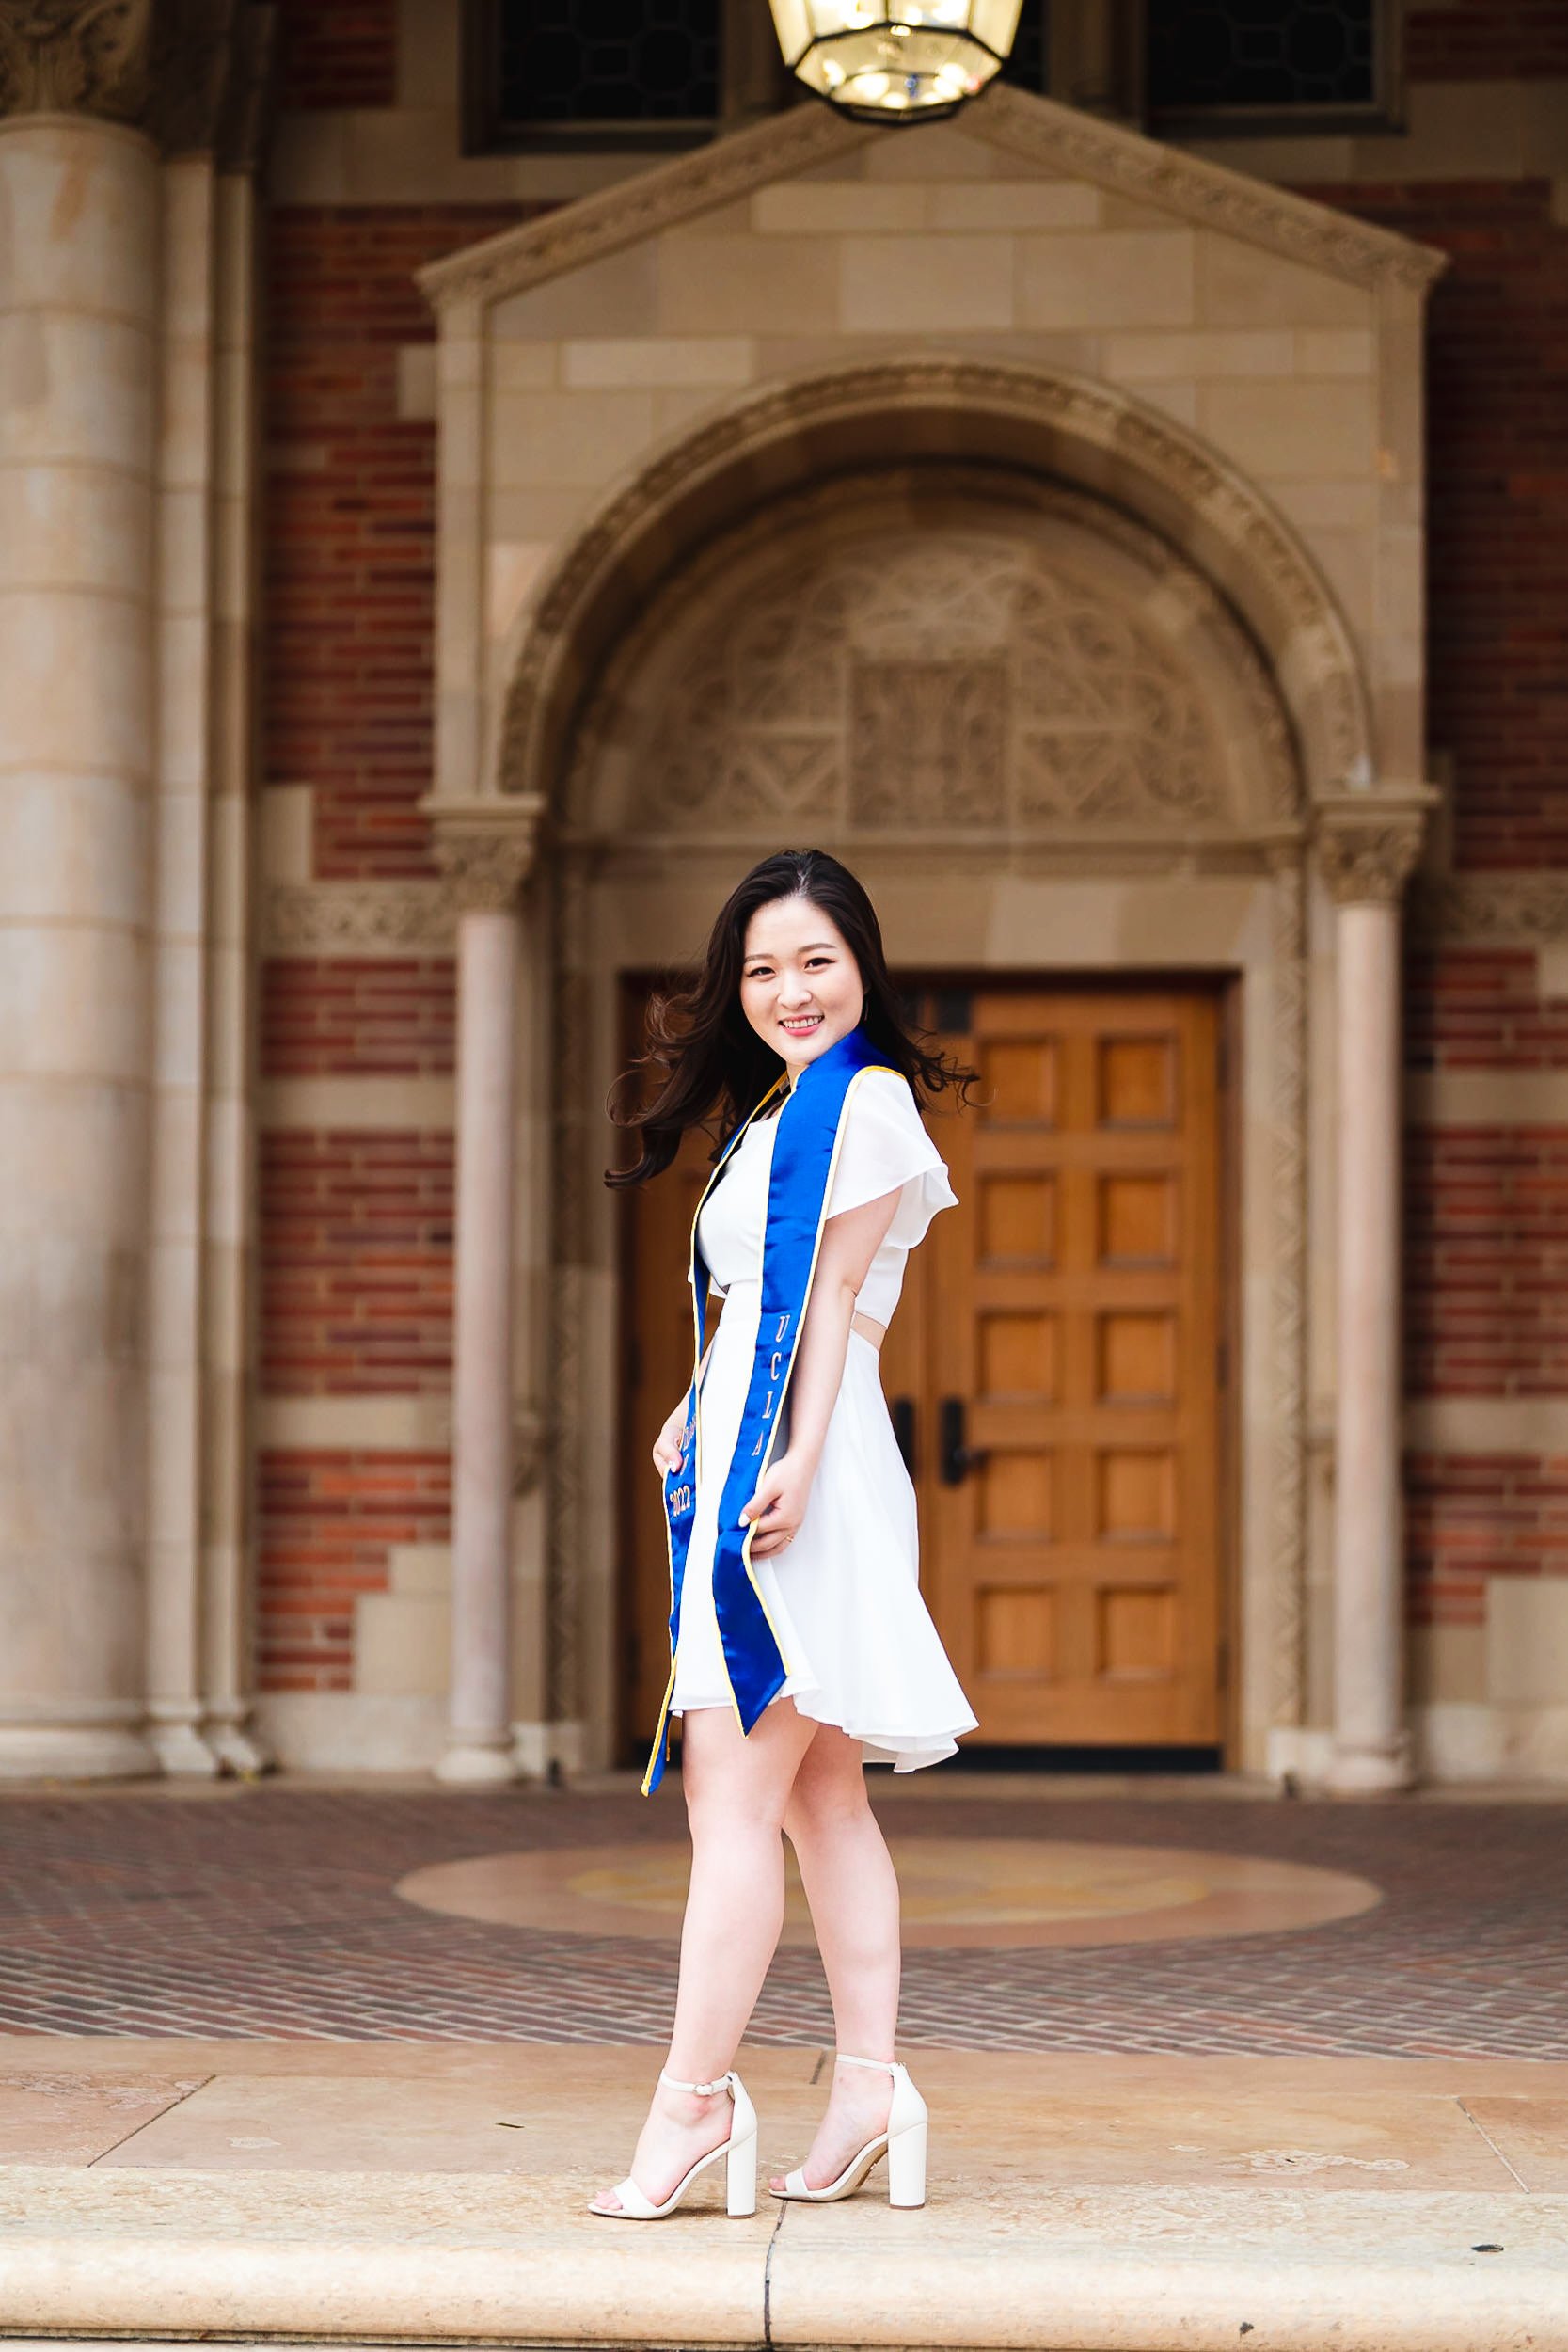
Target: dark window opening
[
  {"x": 612, "y": 72},
  {"x": 1238, "y": 62}
]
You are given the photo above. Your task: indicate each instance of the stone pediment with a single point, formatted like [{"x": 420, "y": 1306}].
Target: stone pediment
[{"x": 1045, "y": 141}]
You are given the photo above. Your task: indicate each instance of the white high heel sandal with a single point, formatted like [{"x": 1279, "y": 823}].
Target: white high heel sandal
[
  {"x": 740, "y": 2153},
  {"x": 903, "y": 2143}
]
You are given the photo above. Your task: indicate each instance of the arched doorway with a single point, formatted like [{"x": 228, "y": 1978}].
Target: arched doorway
[{"x": 1058, "y": 759}]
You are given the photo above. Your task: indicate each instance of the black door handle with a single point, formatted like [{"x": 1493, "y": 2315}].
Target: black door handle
[
  {"x": 902, "y": 1409},
  {"x": 958, "y": 1459}
]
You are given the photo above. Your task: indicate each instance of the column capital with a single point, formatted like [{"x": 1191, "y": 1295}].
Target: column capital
[
  {"x": 192, "y": 73},
  {"x": 485, "y": 848},
  {"x": 1368, "y": 842}
]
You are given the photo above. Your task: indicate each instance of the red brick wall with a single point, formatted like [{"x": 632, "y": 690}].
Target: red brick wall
[
  {"x": 357, "y": 1264},
  {"x": 355, "y": 1238},
  {"x": 1487, "y": 40},
  {"x": 330, "y": 1017},
  {"x": 327, "y": 1522},
  {"x": 1487, "y": 1210},
  {"x": 338, "y": 52}
]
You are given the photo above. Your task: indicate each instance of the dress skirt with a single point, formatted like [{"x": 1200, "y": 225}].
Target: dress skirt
[{"x": 859, "y": 1645}]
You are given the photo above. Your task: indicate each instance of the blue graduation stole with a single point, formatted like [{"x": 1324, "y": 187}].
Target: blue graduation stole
[{"x": 805, "y": 1150}]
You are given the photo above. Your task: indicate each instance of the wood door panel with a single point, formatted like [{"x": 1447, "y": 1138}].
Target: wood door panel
[{"x": 1079, "y": 1319}]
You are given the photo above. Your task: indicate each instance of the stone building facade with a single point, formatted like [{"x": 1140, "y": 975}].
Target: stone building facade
[{"x": 1148, "y": 559}]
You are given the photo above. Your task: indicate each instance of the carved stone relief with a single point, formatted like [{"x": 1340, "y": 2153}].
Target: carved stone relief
[{"x": 847, "y": 664}]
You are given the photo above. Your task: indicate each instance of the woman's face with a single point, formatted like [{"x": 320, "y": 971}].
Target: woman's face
[{"x": 801, "y": 987}]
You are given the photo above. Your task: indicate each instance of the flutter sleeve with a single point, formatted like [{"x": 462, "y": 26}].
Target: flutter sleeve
[{"x": 885, "y": 1149}]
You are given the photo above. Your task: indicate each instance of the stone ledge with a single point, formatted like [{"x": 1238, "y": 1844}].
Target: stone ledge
[{"x": 350, "y": 2256}]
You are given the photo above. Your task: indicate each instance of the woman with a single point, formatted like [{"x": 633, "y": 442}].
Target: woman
[{"x": 800, "y": 1646}]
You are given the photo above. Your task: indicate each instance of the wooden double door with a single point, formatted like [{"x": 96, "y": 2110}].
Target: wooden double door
[{"x": 1055, "y": 1373}]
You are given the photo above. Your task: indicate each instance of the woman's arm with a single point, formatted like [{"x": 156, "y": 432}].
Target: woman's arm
[
  {"x": 849, "y": 1243},
  {"x": 669, "y": 1444}
]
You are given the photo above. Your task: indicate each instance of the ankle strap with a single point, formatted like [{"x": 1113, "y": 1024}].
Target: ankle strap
[
  {"x": 705, "y": 2090},
  {"x": 882, "y": 2066}
]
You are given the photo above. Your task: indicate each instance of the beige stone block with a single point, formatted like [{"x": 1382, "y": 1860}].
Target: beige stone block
[
  {"x": 69, "y": 1161},
  {"x": 514, "y": 566},
  {"x": 62, "y": 528},
  {"x": 1292, "y": 429},
  {"x": 658, "y": 362},
  {"x": 927, "y": 285},
  {"x": 287, "y": 841},
  {"x": 75, "y": 389},
  {"x": 174, "y": 1210},
  {"x": 184, "y": 535},
  {"x": 74, "y": 846},
  {"x": 73, "y": 1003},
  {"x": 933, "y": 151},
  {"x": 179, "y": 1007},
  {"x": 1526, "y": 1640},
  {"x": 337, "y": 1731},
  {"x": 1447, "y": 1663},
  {"x": 745, "y": 285},
  {"x": 84, "y": 209},
  {"x": 1335, "y": 351},
  {"x": 402, "y": 1643},
  {"x": 171, "y": 1475},
  {"x": 48, "y": 2118},
  {"x": 184, "y": 414},
  {"x": 1119, "y": 278},
  {"x": 417, "y": 380},
  {"x": 179, "y": 822},
  {"x": 1175, "y": 399},
  {"x": 1348, "y": 564},
  {"x": 1336, "y": 505},
  {"x": 373, "y": 1425},
  {"x": 524, "y": 367},
  {"x": 1240, "y": 285},
  {"x": 1125, "y": 212},
  {"x": 1013, "y": 204},
  {"x": 1159, "y": 358},
  {"x": 545, "y": 515},
  {"x": 827, "y": 208},
  {"x": 50, "y": 640},
  {"x": 185, "y": 292},
  {"x": 573, "y": 440},
  {"x": 617, "y": 296},
  {"x": 677, "y": 412},
  {"x": 184, "y": 704},
  {"x": 356, "y": 1105},
  {"x": 420, "y": 1569}
]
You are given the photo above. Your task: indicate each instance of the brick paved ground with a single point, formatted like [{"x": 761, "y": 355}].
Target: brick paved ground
[{"x": 270, "y": 1913}]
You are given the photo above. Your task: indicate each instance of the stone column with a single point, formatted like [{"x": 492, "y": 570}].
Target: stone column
[
  {"x": 1368, "y": 845},
  {"x": 486, "y": 851},
  {"x": 78, "y": 307}
]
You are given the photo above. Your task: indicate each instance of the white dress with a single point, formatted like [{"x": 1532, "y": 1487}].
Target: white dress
[{"x": 859, "y": 1645}]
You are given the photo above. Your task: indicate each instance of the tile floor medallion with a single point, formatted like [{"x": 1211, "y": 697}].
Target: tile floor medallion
[
  {"x": 1040, "y": 1920},
  {"x": 958, "y": 1893}
]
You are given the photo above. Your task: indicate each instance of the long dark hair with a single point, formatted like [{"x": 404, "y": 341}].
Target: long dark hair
[{"x": 708, "y": 1066}]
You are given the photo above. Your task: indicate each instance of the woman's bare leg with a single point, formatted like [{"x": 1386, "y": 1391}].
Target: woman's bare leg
[
  {"x": 736, "y": 1788},
  {"x": 853, "y": 1892}
]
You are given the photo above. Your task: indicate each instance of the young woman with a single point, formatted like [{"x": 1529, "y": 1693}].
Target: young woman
[{"x": 800, "y": 1646}]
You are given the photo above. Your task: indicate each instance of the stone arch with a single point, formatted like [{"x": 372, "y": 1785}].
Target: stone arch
[
  {"x": 956, "y": 653},
  {"x": 1042, "y": 425}
]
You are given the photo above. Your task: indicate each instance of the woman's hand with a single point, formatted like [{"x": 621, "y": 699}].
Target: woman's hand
[
  {"x": 779, "y": 1504},
  {"x": 670, "y": 1442}
]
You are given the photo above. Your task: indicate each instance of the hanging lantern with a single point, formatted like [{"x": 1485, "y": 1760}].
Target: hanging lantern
[{"x": 896, "y": 61}]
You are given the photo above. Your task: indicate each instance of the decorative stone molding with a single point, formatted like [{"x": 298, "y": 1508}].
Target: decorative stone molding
[
  {"x": 75, "y": 56},
  {"x": 949, "y": 408},
  {"x": 1368, "y": 843},
  {"x": 1061, "y": 141},
  {"x": 358, "y": 918},
  {"x": 193, "y": 73},
  {"x": 485, "y": 849},
  {"x": 1502, "y": 910}
]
